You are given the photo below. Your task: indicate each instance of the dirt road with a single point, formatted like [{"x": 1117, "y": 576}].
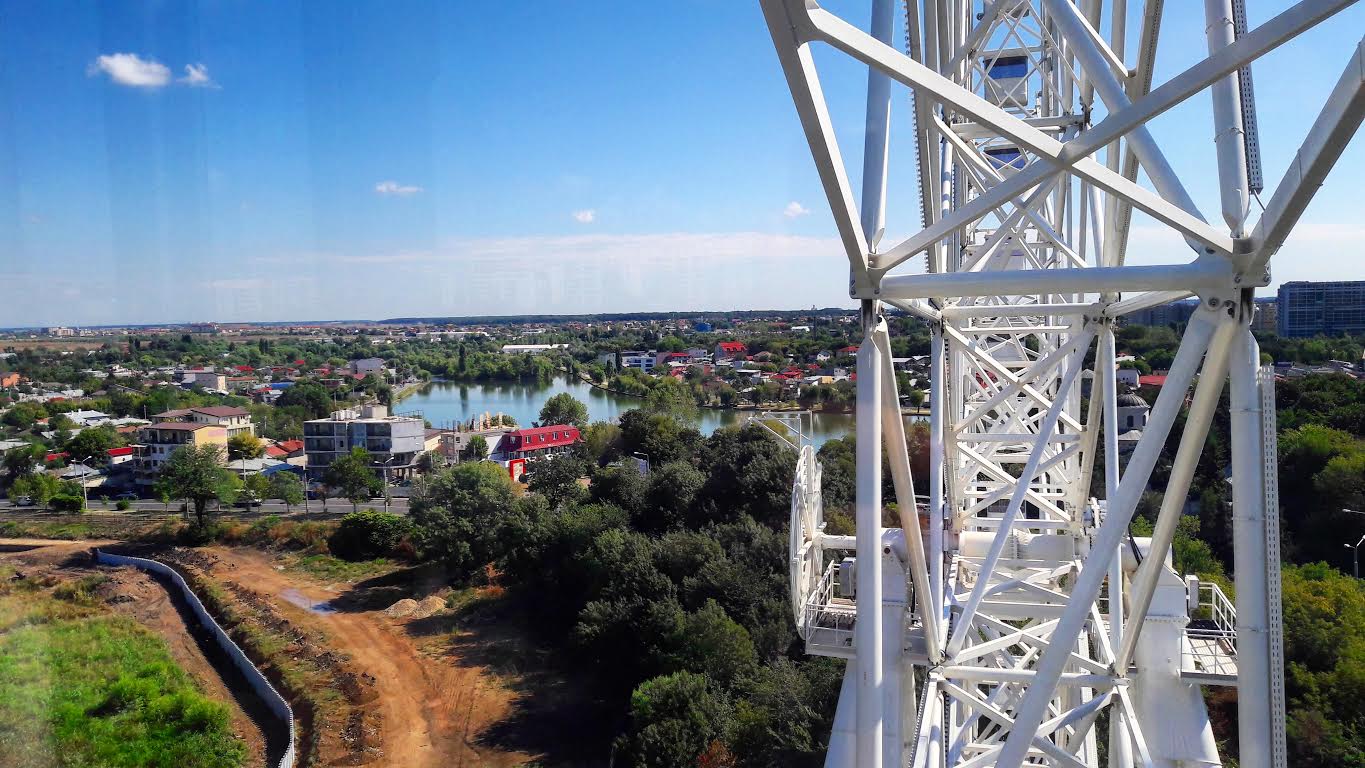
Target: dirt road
[
  {"x": 431, "y": 708},
  {"x": 135, "y": 594}
]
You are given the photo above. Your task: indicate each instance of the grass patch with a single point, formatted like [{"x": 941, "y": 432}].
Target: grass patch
[
  {"x": 329, "y": 568},
  {"x": 80, "y": 686},
  {"x": 69, "y": 531}
]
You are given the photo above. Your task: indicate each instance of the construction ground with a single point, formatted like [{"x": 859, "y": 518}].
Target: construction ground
[{"x": 391, "y": 669}]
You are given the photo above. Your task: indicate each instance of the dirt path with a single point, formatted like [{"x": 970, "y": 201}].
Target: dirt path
[
  {"x": 431, "y": 709},
  {"x": 135, "y": 594}
]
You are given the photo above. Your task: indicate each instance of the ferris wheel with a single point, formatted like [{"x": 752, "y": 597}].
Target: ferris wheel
[{"x": 1013, "y": 619}]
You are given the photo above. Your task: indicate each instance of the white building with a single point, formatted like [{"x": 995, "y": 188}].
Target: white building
[
  {"x": 531, "y": 349},
  {"x": 367, "y": 366},
  {"x": 639, "y": 360},
  {"x": 393, "y": 442}
]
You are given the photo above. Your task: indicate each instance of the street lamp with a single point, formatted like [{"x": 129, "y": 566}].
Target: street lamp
[
  {"x": 1355, "y": 555},
  {"x": 85, "y": 493},
  {"x": 386, "y": 480}
]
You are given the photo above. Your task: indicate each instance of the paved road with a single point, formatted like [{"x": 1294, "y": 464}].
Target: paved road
[{"x": 397, "y": 505}]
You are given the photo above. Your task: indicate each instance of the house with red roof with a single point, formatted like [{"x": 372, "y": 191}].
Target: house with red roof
[
  {"x": 122, "y": 455},
  {"x": 536, "y": 442},
  {"x": 728, "y": 350},
  {"x": 1152, "y": 380}
]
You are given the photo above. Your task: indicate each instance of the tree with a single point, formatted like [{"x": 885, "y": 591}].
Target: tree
[
  {"x": 40, "y": 486},
  {"x": 94, "y": 442},
  {"x": 673, "y": 720},
  {"x": 367, "y": 535},
  {"x": 673, "y": 490},
  {"x": 709, "y": 642},
  {"x": 557, "y": 479},
  {"x": 476, "y": 449},
  {"x": 563, "y": 408},
  {"x": 22, "y": 460},
  {"x": 353, "y": 477},
  {"x": 288, "y": 488},
  {"x": 245, "y": 446},
  {"x": 313, "y": 398},
  {"x": 602, "y": 441},
  {"x": 257, "y": 485},
  {"x": 460, "y": 513},
  {"x": 195, "y": 473}
]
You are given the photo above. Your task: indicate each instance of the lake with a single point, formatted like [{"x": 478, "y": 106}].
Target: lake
[{"x": 445, "y": 403}]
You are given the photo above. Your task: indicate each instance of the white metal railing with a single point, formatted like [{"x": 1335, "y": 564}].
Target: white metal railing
[
  {"x": 827, "y": 620},
  {"x": 1210, "y": 642}
]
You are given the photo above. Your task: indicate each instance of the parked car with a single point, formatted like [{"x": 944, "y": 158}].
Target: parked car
[
  {"x": 24, "y": 501},
  {"x": 247, "y": 499},
  {"x": 127, "y": 495}
]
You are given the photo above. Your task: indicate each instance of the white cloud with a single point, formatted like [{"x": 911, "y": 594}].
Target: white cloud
[
  {"x": 795, "y": 210},
  {"x": 132, "y": 70},
  {"x": 393, "y": 188},
  {"x": 585, "y": 216},
  {"x": 197, "y": 76}
]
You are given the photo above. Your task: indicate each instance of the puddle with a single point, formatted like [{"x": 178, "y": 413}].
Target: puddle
[{"x": 303, "y": 601}]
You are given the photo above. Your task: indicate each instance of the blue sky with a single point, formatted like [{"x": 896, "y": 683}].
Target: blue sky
[{"x": 167, "y": 162}]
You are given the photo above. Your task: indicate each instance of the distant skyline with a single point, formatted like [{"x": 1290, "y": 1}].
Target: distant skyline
[{"x": 179, "y": 162}]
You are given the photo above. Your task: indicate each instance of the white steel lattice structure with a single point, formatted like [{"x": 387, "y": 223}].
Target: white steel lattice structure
[{"x": 1015, "y": 612}]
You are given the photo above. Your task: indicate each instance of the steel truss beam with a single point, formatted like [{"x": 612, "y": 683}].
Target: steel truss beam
[{"x": 1026, "y": 196}]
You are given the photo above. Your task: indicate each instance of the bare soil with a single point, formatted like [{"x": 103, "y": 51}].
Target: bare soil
[{"x": 412, "y": 703}]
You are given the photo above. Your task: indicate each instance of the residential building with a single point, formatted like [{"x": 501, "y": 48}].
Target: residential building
[
  {"x": 1267, "y": 315},
  {"x": 1329, "y": 308},
  {"x": 206, "y": 379},
  {"x": 367, "y": 366},
  {"x": 536, "y": 442},
  {"x": 1175, "y": 313},
  {"x": 531, "y": 349},
  {"x": 643, "y": 361},
  {"x": 728, "y": 350},
  {"x": 160, "y": 440},
  {"x": 1127, "y": 376},
  {"x": 235, "y": 420},
  {"x": 393, "y": 442}
]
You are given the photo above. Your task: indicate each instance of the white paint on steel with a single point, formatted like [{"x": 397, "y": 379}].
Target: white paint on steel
[{"x": 1026, "y": 189}]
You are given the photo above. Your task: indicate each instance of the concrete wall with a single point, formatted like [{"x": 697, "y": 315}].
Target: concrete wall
[{"x": 258, "y": 681}]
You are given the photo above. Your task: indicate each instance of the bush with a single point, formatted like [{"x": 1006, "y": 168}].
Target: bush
[
  {"x": 368, "y": 534},
  {"x": 64, "y": 502},
  {"x": 123, "y": 505}
]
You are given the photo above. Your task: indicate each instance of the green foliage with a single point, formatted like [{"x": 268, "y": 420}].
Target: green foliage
[
  {"x": 353, "y": 477},
  {"x": 195, "y": 474},
  {"x": 557, "y": 478},
  {"x": 476, "y": 449},
  {"x": 287, "y": 487},
  {"x": 245, "y": 446},
  {"x": 22, "y": 460},
  {"x": 602, "y": 441},
  {"x": 123, "y": 505},
  {"x": 671, "y": 497},
  {"x": 96, "y": 689},
  {"x": 459, "y": 513},
  {"x": 673, "y": 720},
  {"x": 1324, "y": 635},
  {"x": 94, "y": 442},
  {"x": 368, "y": 534},
  {"x": 312, "y": 398},
  {"x": 67, "y": 502},
  {"x": 563, "y": 408},
  {"x": 38, "y": 485}
]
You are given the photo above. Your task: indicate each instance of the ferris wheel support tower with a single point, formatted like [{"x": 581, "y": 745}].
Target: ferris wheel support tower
[{"x": 1011, "y": 610}]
